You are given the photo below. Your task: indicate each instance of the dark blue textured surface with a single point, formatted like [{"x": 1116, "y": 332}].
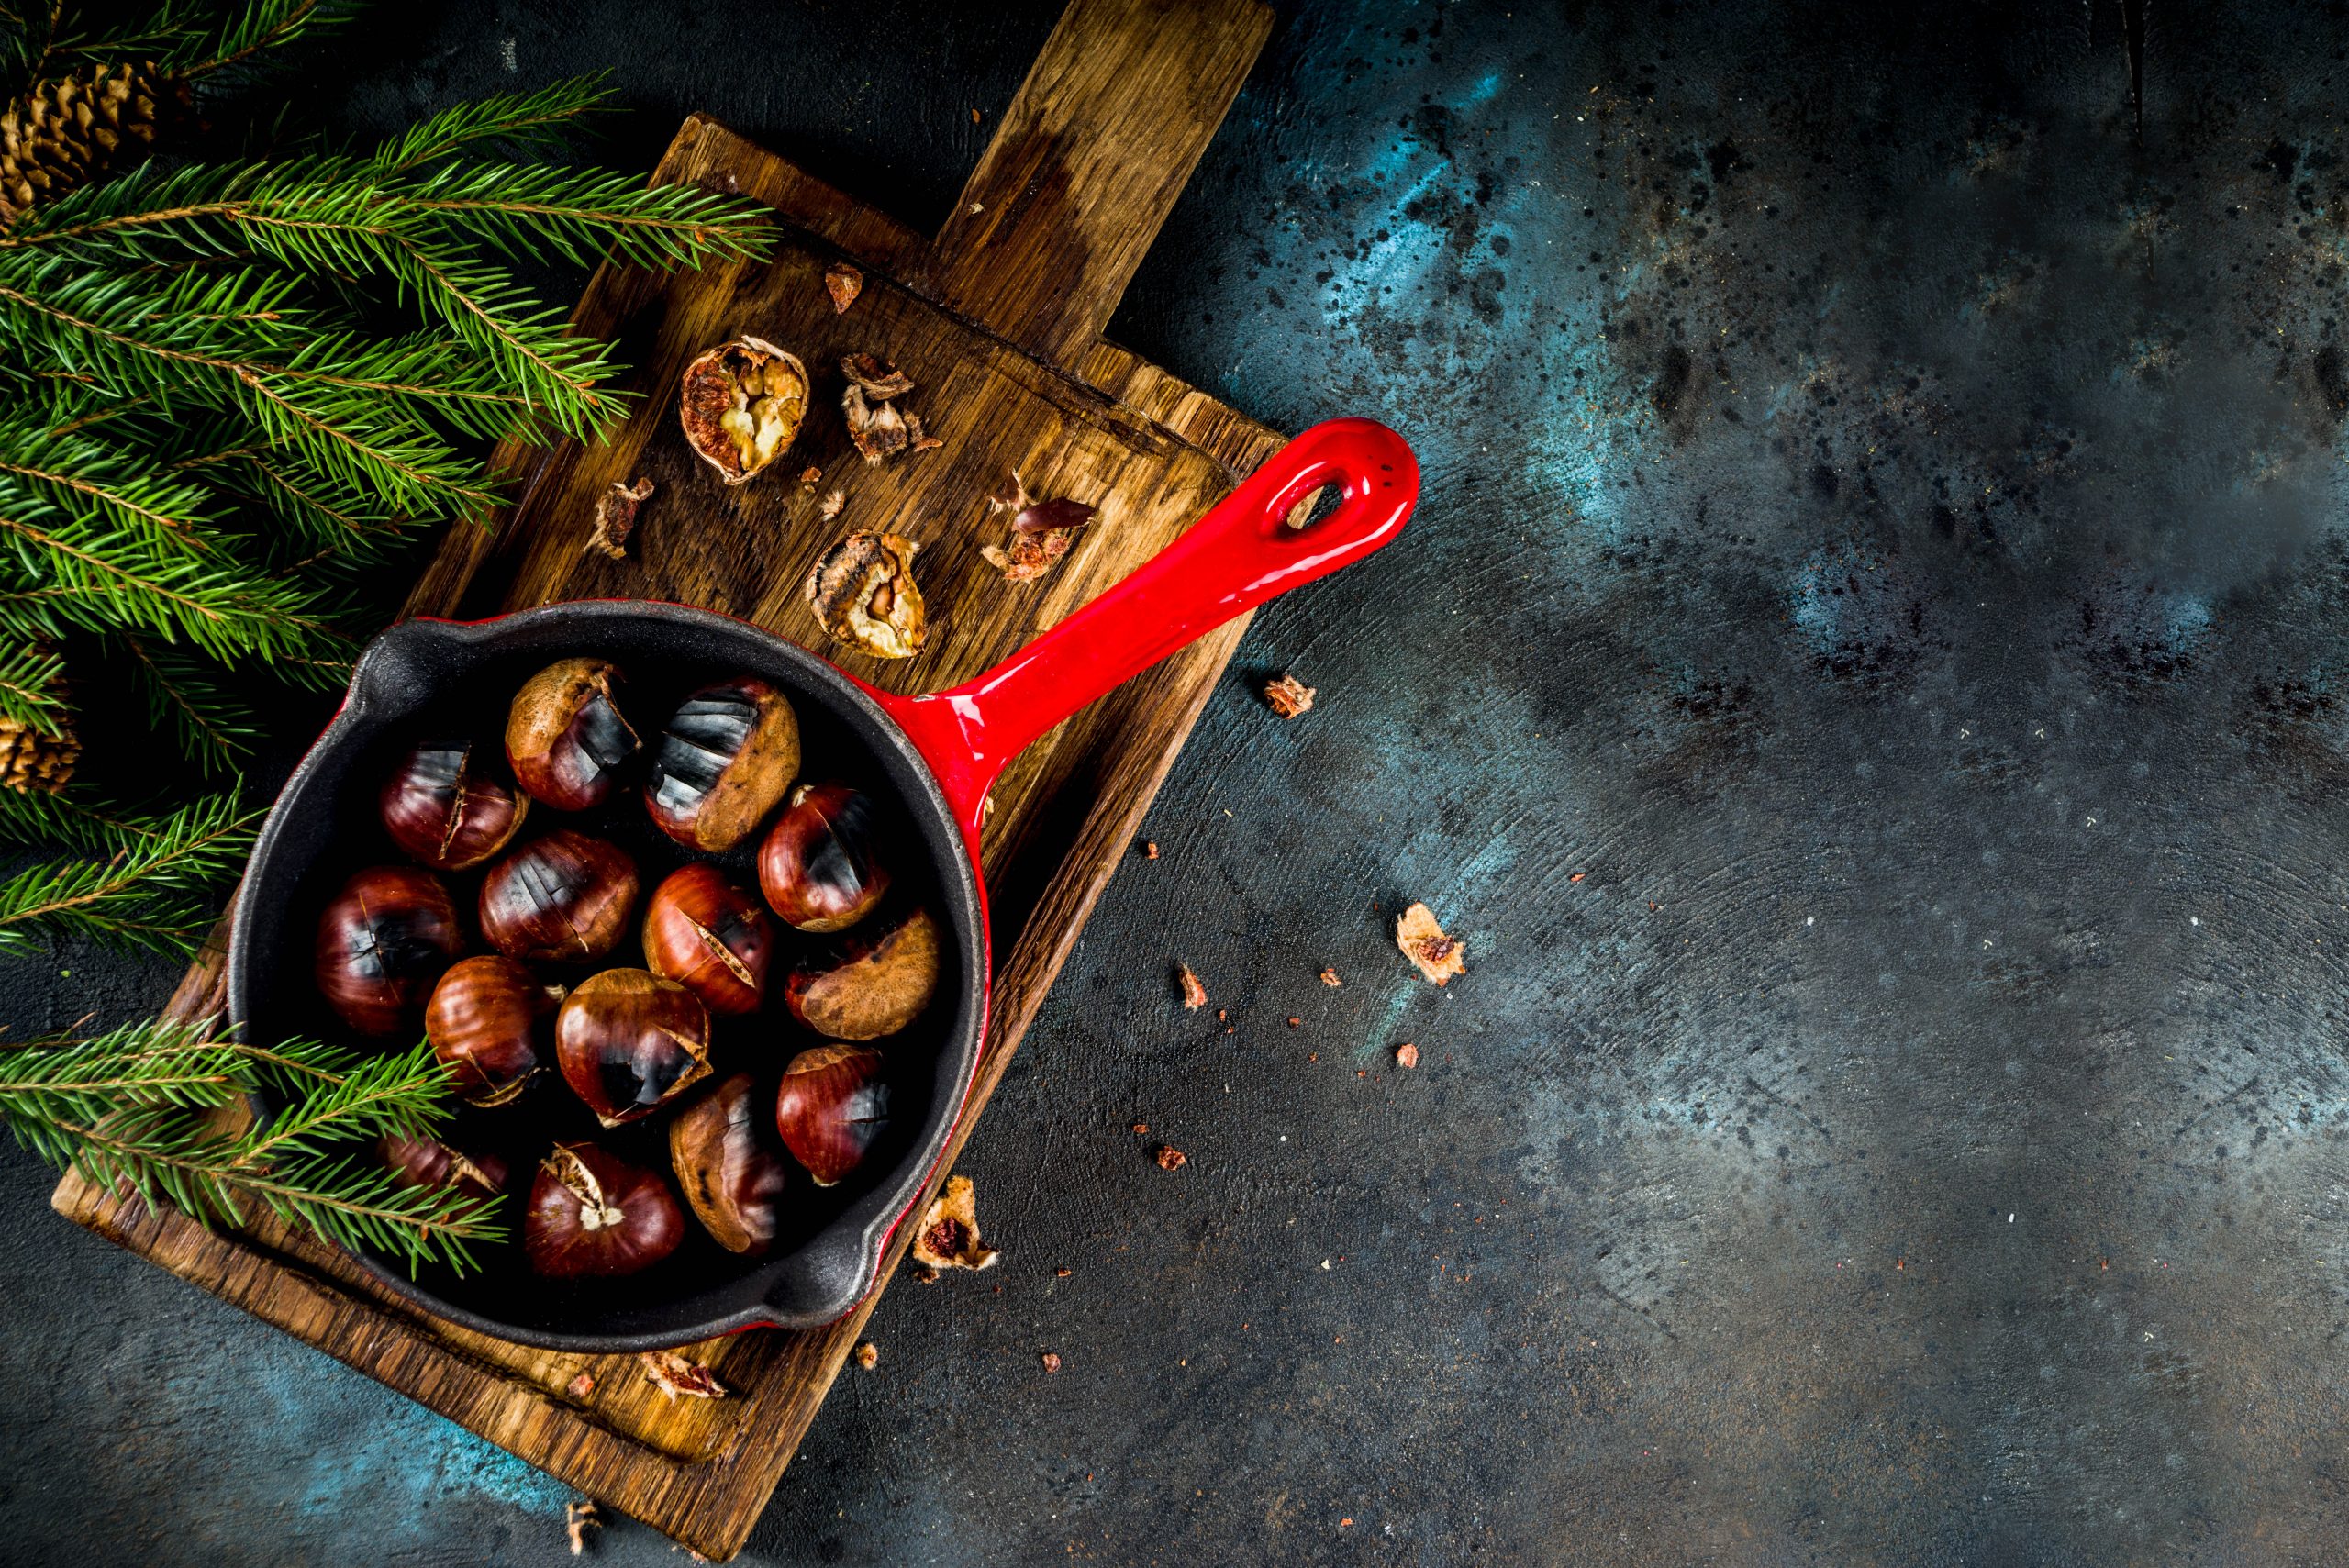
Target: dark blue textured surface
[{"x": 1865, "y": 681}]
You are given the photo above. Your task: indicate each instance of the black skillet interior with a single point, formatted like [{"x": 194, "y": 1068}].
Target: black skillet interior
[{"x": 426, "y": 678}]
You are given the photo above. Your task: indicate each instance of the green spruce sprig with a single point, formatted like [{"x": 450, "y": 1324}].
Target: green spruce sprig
[{"x": 136, "y": 882}]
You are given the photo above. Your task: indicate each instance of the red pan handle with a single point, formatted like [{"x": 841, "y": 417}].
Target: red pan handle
[{"x": 1240, "y": 554}]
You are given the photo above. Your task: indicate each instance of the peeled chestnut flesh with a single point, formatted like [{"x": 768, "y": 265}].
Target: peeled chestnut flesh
[
  {"x": 593, "y": 1215},
  {"x": 832, "y": 1108},
  {"x": 381, "y": 943},
  {"x": 485, "y": 1021},
  {"x": 710, "y": 936},
  {"x": 565, "y": 898},
  {"x": 565, "y": 737},
  {"x": 819, "y": 868},
  {"x": 871, "y": 985},
  {"x": 628, "y": 1042},
  {"x": 730, "y": 752},
  {"x": 731, "y": 1175},
  {"x": 430, "y": 1162},
  {"x": 446, "y": 807}
]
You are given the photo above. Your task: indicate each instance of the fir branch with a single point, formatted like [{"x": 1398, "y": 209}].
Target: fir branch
[
  {"x": 30, "y": 690},
  {"x": 68, "y": 820},
  {"x": 213, "y": 725},
  {"x": 405, "y": 1093},
  {"x": 147, "y": 892},
  {"x": 159, "y": 1062},
  {"x": 518, "y": 120}
]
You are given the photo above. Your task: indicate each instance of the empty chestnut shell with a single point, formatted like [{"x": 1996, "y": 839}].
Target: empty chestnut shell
[
  {"x": 730, "y": 752},
  {"x": 564, "y": 736},
  {"x": 871, "y": 985},
  {"x": 709, "y": 937},
  {"x": 862, "y": 591},
  {"x": 730, "y": 1174},
  {"x": 817, "y": 867},
  {"x": 442, "y": 807},
  {"x": 565, "y": 898},
  {"x": 832, "y": 1108},
  {"x": 628, "y": 1042},
  {"x": 485, "y": 1020},
  {"x": 741, "y": 403},
  {"x": 593, "y": 1214},
  {"x": 381, "y": 943},
  {"x": 429, "y": 1162}
]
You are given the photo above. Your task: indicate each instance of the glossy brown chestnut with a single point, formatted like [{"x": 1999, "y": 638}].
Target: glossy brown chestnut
[
  {"x": 731, "y": 1176},
  {"x": 486, "y": 1021},
  {"x": 870, "y": 985},
  {"x": 628, "y": 1042},
  {"x": 709, "y": 937},
  {"x": 381, "y": 943},
  {"x": 429, "y": 1162},
  {"x": 565, "y": 898},
  {"x": 442, "y": 807},
  {"x": 730, "y": 752},
  {"x": 564, "y": 736},
  {"x": 818, "y": 866},
  {"x": 832, "y": 1108},
  {"x": 594, "y": 1216}
]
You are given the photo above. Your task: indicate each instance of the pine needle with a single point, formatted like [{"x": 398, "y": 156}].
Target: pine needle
[{"x": 144, "y": 889}]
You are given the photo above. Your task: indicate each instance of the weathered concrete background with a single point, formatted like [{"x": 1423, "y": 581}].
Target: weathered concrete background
[{"x": 1866, "y": 680}]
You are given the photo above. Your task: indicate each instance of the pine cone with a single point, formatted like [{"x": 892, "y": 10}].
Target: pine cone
[
  {"x": 33, "y": 762},
  {"x": 64, "y": 132}
]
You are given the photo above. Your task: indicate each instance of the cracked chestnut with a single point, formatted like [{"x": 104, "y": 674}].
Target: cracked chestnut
[
  {"x": 443, "y": 808},
  {"x": 593, "y": 1215},
  {"x": 628, "y": 1042},
  {"x": 741, "y": 403},
  {"x": 731, "y": 1174},
  {"x": 729, "y": 753},
  {"x": 381, "y": 943},
  {"x": 832, "y": 1108},
  {"x": 566, "y": 737},
  {"x": 710, "y": 936},
  {"x": 565, "y": 898},
  {"x": 872, "y": 985},
  {"x": 430, "y": 1162},
  {"x": 485, "y": 1021},
  {"x": 819, "y": 867}
]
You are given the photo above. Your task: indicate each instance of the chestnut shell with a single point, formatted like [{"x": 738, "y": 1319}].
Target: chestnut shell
[
  {"x": 565, "y": 737},
  {"x": 872, "y": 985},
  {"x": 731, "y": 750},
  {"x": 729, "y": 1175},
  {"x": 562, "y": 898},
  {"x": 593, "y": 1215},
  {"x": 709, "y": 937},
  {"x": 832, "y": 1106},
  {"x": 443, "y": 808},
  {"x": 382, "y": 943},
  {"x": 485, "y": 1020},
  {"x": 818, "y": 867},
  {"x": 431, "y": 1163},
  {"x": 629, "y": 1041}
]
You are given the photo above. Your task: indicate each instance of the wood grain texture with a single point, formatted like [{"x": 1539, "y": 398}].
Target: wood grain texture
[{"x": 1097, "y": 423}]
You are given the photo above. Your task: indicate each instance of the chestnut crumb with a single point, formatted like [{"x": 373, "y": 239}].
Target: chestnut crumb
[
  {"x": 1063, "y": 1274},
  {"x": 1041, "y": 531},
  {"x": 1195, "y": 995},
  {"x": 864, "y": 593},
  {"x": 1437, "y": 956},
  {"x": 616, "y": 511},
  {"x": 1149, "y": 849},
  {"x": 843, "y": 283},
  {"x": 1287, "y": 697},
  {"x": 831, "y": 505},
  {"x": 580, "y": 1386},
  {"x": 578, "y": 1519},
  {"x": 868, "y": 1355},
  {"x": 1406, "y": 1055},
  {"x": 949, "y": 1236},
  {"x": 1052, "y": 1361},
  {"x": 875, "y": 424},
  {"x": 809, "y": 475},
  {"x": 1330, "y": 977},
  {"x": 1139, "y": 1127},
  {"x": 1171, "y": 1158},
  {"x": 674, "y": 1374}
]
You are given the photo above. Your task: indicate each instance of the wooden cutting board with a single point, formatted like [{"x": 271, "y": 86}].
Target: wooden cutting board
[{"x": 998, "y": 319}]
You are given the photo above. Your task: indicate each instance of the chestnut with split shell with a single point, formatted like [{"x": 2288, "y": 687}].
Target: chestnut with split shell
[
  {"x": 593, "y": 1215},
  {"x": 870, "y": 985},
  {"x": 730, "y": 1176},
  {"x": 729, "y": 752},
  {"x": 819, "y": 867},
  {"x": 832, "y": 1108},
  {"x": 381, "y": 943},
  {"x": 565, "y": 898},
  {"x": 485, "y": 1020},
  {"x": 710, "y": 936},
  {"x": 565, "y": 737},
  {"x": 741, "y": 404},
  {"x": 628, "y": 1042},
  {"x": 431, "y": 1163},
  {"x": 444, "y": 808}
]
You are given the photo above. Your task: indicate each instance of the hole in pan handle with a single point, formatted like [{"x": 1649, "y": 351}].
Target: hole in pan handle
[{"x": 1239, "y": 555}]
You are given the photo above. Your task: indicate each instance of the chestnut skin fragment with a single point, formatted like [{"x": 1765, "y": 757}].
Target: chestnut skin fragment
[
  {"x": 832, "y": 1108},
  {"x": 818, "y": 867},
  {"x": 381, "y": 943},
  {"x": 741, "y": 404},
  {"x": 710, "y": 936},
  {"x": 485, "y": 1022},
  {"x": 593, "y": 1215},
  {"x": 429, "y": 1162},
  {"x": 628, "y": 1042},
  {"x": 445, "y": 810},
  {"x": 563, "y": 898},
  {"x": 565, "y": 737},
  {"x": 731, "y": 1178},
  {"x": 727, "y": 755},
  {"x": 864, "y": 593},
  {"x": 871, "y": 985}
]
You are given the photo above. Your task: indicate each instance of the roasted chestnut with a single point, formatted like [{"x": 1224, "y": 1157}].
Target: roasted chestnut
[
  {"x": 873, "y": 985},
  {"x": 563, "y": 898},
  {"x": 740, "y": 403},
  {"x": 818, "y": 868},
  {"x": 730, "y": 752},
  {"x": 443, "y": 808},
  {"x": 564, "y": 735},
  {"x": 729, "y": 1171},
  {"x": 485, "y": 1020},
  {"x": 709, "y": 937},
  {"x": 429, "y": 1162},
  {"x": 592, "y": 1214},
  {"x": 381, "y": 943},
  {"x": 832, "y": 1108},
  {"x": 628, "y": 1042}
]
